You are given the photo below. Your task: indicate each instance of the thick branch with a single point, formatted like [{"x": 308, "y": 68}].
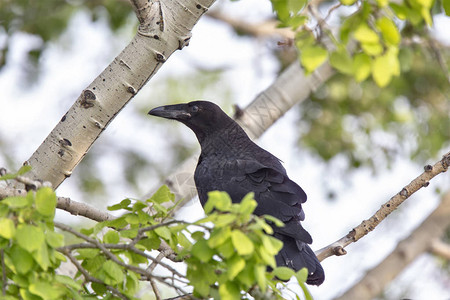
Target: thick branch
[
  {"x": 407, "y": 250},
  {"x": 165, "y": 26},
  {"x": 337, "y": 248}
]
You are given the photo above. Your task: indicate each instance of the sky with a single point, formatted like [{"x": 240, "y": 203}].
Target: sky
[{"x": 29, "y": 112}]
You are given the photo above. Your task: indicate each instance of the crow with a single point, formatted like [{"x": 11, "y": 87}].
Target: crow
[{"x": 229, "y": 161}]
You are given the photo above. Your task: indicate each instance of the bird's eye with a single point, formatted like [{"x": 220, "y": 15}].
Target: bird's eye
[{"x": 194, "y": 108}]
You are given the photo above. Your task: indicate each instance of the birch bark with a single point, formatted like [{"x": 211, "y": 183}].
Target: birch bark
[{"x": 165, "y": 26}]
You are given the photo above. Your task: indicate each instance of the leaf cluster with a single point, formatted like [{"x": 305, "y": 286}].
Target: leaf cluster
[
  {"x": 372, "y": 32},
  {"x": 231, "y": 259},
  {"x": 29, "y": 249},
  {"x": 229, "y": 254},
  {"x": 371, "y": 126}
]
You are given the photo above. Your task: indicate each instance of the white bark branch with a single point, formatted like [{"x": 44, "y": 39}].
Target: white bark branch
[
  {"x": 165, "y": 26},
  {"x": 337, "y": 248},
  {"x": 373, "y": 283}
]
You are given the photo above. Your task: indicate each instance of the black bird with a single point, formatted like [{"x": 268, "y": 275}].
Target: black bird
[{"x": 231, "y": 162}]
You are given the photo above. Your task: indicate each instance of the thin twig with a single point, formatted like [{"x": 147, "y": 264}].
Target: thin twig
[
  {"x": 440, "y": 248},
  {"x": 155, "y": 289},
  {"x": 121, "y": 247},
  {"x": 337, "y": 248}
]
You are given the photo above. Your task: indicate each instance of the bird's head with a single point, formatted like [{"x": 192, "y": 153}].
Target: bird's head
[{"x": 203, "y": 117}]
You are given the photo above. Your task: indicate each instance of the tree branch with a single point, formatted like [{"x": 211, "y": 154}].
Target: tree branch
[
  {"x": 440, "y": 248},
  {"x": 337, "y": 248},
  {"x": 406, "y": 251},
  {"x": 165, "y": 26}
]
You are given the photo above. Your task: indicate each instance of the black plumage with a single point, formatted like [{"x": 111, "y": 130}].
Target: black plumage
[{"x": 231, "y": 162}]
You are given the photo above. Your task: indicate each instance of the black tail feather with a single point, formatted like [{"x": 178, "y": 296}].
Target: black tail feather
[{"x": 297, "y": 255}]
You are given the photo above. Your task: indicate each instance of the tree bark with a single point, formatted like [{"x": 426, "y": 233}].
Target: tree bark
[
  {"x": 165, "y": 26},
  {"x": 407, "y": 251}
]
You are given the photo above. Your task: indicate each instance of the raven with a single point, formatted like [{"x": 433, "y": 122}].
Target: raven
[{"x": 231, "y": 162}]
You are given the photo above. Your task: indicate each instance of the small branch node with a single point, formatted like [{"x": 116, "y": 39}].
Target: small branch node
[
  {"x": 428, "y": 168},
  {"x": 404, "y": 193}
]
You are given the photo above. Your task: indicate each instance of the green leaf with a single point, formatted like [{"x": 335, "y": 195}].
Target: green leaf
[
  {"x": 235, "y": 265},
  {"x": 46, "y": 201},
  {"x": 382, "y": 3},
  {"x": 202, "y": 251},
  {"x": 446, "y": 5},
  {"x": 373, "y": 49},
  {"x": 226, "y": 250},
  {"x": 46, "y": 290},
  {"x": 312, "y": 57},
  {"x": 122, "y": 205},
  {"x": 260, "y": 276},
  {"x": 225, "y": 219},
  {"x": 271, "y": 244},
  {"x": 114, "y": 272},
  {"x": 132, "y": 283},
  {"x": 183, "y": 240},
  {"x": 139, "y": 206},
  {"x": 198, "y": 235},
  {"x": 129, "y": 233},
  {"x": 400, "y": 10},
  {"x": 54, "y": 239},
  {"x": 229, "y": 291},
  {"x": 7, "y": 228},
  {"x": 302, "y": 275},
  {"x": 218, "y": 200},
  {"x": 219, "y": 236},
  {"x": 17, "y": 202},
  {"x": 152, "y": 242},
  {"x": 22, "y": 260},
  {"x": 268, "y": 258},
  {"x": 386, "y": 66},
  {"x": 274, "y": 220},
  {"x": 30, "y": 237},
  {"x": 132, "y": 218},
  {"x": 425, "y": 12},
  {"x": 248, "y": 204},
  {"x": 99, "y": 288},
  {"x": 162, "y": 195},
  {"x": 283, "y": 273},
  {"x": 362, "y": 65},
  {"x": 388, "y": 30},
  {"x": 348, "y": 2},
  {"x": 366, "y": 35},
  {"x": 111, "y": 237},
  {"x": 164, "y": 232},
  {"x": 380, "y": 71},
  {"x": 41, "y": 256},
  {"x": 242, "y": 243},
  {"x": 68, "y": 281},
  {"x": 87, "y": 253},
  {"x": 295, "y": 6},
  {"x": 22, "y": 170},
  {"x": 341, "y": 61}
]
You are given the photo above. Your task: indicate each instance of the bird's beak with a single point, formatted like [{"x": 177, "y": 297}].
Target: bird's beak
[{"x": 175, "y": 112}]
